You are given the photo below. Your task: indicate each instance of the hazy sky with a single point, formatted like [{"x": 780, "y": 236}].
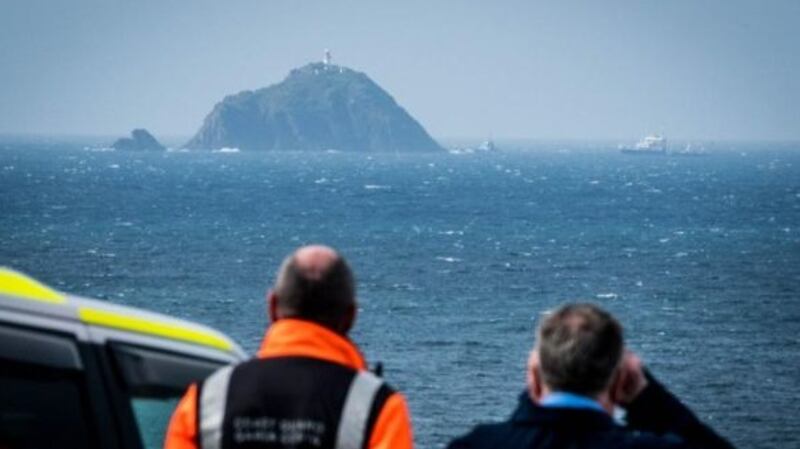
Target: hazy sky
[{"x": 692, "y": 69}]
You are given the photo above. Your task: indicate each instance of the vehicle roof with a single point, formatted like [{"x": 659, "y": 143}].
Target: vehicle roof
[{"x": 20, "y": 293}]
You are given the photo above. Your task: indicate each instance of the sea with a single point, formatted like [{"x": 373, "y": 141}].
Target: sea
[{"x": 456, "y": 257}]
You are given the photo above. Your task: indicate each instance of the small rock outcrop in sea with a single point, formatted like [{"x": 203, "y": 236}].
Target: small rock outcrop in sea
[
  {"x": 320, "y": 106},
  {"x": 140, "y": 140}
]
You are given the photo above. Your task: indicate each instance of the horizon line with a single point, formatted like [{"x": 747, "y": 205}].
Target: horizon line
[{"x": 444, "y": 139}]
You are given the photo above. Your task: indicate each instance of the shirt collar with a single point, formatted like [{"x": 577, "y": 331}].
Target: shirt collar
[
  {"x": 576, "y": 419},
  {"x": 291, "y": 337},
  {"x": 563, "y": 399}
]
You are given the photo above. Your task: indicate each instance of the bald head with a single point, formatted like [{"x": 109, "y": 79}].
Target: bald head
[
  {"x": 316, "y": 284},
  {"x": 315, "y": 260}
]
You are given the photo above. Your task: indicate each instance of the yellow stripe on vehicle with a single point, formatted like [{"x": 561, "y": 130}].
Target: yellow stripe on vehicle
[
  {"x": 14, "y": 283},
  {"x": 151, "y": 327}
]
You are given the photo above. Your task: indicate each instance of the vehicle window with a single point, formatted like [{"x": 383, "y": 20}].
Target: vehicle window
[
  {"x": 153, "y": 373},
  {"x": 42, "y": 408},
  {"x": 155, "y": 380},
  {"x": 152, "y": 418}
]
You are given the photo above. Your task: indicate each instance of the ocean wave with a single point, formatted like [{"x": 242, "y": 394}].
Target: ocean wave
[{"x": 610, "y": 295}]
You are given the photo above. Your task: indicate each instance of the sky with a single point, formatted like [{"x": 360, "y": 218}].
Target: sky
[{"x": 690, "y": 69}]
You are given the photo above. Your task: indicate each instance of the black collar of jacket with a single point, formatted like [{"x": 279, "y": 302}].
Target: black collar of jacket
[{"x": 528, "y": 413}]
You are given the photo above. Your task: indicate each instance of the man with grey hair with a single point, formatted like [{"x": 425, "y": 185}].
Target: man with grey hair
[
  {"x": 578, "y": 372},
  {"x": 307, "y": 387}
]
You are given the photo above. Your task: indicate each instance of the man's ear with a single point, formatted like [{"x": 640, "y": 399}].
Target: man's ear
[
  {"x": 617, "y": 385},
  {"x": 629, "y": 380},
  {"x": 534, "y": 377},
  {"x": 272, "y": 306},
  {"x": 349, "y": 318}
]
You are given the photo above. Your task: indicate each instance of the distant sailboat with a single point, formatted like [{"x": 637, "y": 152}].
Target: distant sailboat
[{"x": 487, "y": 145}]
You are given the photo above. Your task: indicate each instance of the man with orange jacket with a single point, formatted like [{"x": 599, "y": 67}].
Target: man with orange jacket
[{"x": 308, "y": 386}]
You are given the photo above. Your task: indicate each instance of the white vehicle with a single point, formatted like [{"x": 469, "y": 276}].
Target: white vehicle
[{"x": 81, "y": 373}]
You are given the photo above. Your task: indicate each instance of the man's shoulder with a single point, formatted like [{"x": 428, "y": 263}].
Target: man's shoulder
[
  {"x": 646, "y": 440},
  {"x": 485, "y": 436},
  {"x": 511, "y": 435}
]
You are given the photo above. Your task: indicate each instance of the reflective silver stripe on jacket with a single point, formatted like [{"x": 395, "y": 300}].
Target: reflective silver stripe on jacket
[
  {"x": 355, "y": 414},
  {"x": 213, "y": 397}
]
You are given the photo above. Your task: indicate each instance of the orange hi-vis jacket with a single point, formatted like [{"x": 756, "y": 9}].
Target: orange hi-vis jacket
[{"x": 293, "y": 338}]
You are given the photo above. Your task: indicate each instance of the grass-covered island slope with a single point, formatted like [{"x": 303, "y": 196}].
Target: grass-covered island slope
[
  {"x": 140, "y": 140},
  {"x": 317, "y": 107}
]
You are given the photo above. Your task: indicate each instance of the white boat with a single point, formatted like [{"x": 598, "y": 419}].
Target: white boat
[
  {"x": 487, "y": 145},
  {"x": 690, "y": 150},
  {"x": 652, "y": 144}
]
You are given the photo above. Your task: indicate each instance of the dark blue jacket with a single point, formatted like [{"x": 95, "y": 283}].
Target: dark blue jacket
[{"x": 656, "y": 419}]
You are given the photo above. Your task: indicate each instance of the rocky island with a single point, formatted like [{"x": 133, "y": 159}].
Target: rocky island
[
  {"x": 318, "y": 107},
  {"x": 140, "y": 140}
]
